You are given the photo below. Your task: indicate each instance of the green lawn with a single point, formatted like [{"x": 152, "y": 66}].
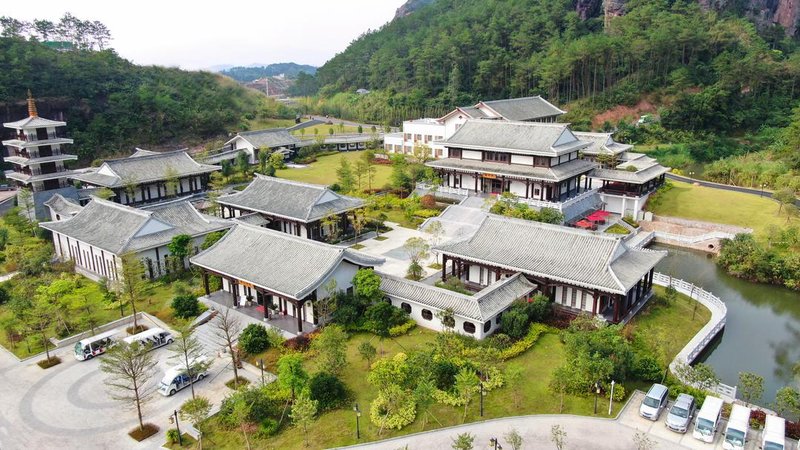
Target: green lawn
[
  {"x": 674, "y": 325},
  {"x": 157, "y": 301},
  {"x": 263, "y": 124},
  {"x": 715, "y": 205},
  {"x": 337, "y": 427},
  {"x": 323, "y": 171},
  {"x": 323, "y": 130}
]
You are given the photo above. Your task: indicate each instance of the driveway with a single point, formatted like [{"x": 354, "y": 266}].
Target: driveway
[{"x": 68, "y": 406}]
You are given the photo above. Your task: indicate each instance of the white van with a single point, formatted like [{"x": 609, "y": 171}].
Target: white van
[
  {"x": 150, "y": 339},
  {"x": 708, "y": 419},
  {"x": 736, "y": 431},
  {"x": 96, "y": 345},
  {"x": 774, "y": 435},
  {"x": 176, "y": 378}
]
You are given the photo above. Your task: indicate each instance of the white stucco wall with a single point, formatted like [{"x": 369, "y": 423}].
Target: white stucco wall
[
  {"x": 517, "y": 188},
  {"x": 471, "y": 154},
  {"x": 586, "y": 305},
  {"x": 522, "y": 159},
  {"x": 435, "y": 324}
]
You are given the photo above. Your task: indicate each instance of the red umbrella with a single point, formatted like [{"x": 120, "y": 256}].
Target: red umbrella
[
  {"x": 595, "y": 216},
  {"x": 602, "y": 213},
  {"x": 583, "y": 224}
]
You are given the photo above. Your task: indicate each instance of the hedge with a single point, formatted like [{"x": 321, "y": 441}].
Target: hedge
[
  {"x": 402, "y": 329},
  {"x": 534, "y": 333}
]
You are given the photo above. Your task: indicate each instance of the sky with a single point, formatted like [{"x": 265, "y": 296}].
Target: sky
[{"x": 196, "y": 35}]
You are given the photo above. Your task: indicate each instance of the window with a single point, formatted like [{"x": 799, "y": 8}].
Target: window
[
  {"x": 427, "y": 314},
  {"x": 583, "y": 300},
  {"x": 563, "y": 295},
  {"x": 487, "y": 326},
  {"x": 574, "y": 297},
  {"x": 495, "y": 156},
  {"x": 350, "y": 290},
  {"x": 405, "y": 307},
  {"x": 469, "y": 327}
]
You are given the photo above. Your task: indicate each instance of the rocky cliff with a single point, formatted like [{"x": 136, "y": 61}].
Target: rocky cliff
[
  {"x": 763, "y": 13},
  {"x": 410, "y": 6}
]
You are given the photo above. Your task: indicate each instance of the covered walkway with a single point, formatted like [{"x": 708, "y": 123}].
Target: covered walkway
[{"x": 256, "y": 314}]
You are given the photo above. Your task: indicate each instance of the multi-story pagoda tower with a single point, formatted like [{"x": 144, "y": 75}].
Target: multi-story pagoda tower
[{"x": 36, "y": 151}]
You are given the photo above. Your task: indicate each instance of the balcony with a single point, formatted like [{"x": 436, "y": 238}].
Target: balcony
[
  {"x": 25, "y": 162},
  {"x": 23, "y": 141}
]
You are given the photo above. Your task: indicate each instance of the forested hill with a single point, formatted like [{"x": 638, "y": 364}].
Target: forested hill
[
  {"x": 290, "y": 70},
  {"x": 715, "y": 69},
  {"x": 112, "y": 105}
]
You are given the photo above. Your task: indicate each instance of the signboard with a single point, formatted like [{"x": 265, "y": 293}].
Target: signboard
[
  {"x": 489, "y": 175},
  {"x": 246, "y": 284}
]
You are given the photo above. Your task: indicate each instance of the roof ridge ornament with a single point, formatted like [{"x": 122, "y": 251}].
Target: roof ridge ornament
[{"x": 32, "y": 105}]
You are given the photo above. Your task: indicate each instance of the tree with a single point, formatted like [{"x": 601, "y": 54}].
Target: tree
[
  {"x": 424, "y": 398},
  {"x": 171, "y": 182},
  {"x": 367, "y": 352},
  {"x": 26, "y": 204},
  {"x": 752, "y": 386},
  {"x": 558, "y": 436},
  {"x": 332, "y": 347},
  {"x": 254, "y": 339},
  {"x": 39, "y": 317},
  {"x": 416, "y": 248},
  {"x": 130, "y": 183},
  {"x": 466, "y": 382},
  {"x": 211, "y": 239},
  {"x": 331, "y": 223},
  {"x": 130, "y": 368},
  {"x": 463, "y": 441},
  {"x": 328, "y": 390},
  {"x": 360, "y": 171},
  {"x": 263, "y": 161},
  {"x": 188, "y": 351},
  {"x": 242, "y": 163},
  {"x": 344, "y": 175},
  {"x": 303, "y": 411},
  {"x": 132, "y": 283},
  {"x": 227, "y": 327},
  {"x": 240, "y": 415},
  {"x": 359, "y": 220},
  {"x": 291, "y": 374},
  {"x": 784, "y": 196},
  {"x": 447, "y": 318},
  {"x": 422, "y": 153},
  {"x": 643, "y": 442},
  {"x": 367, "y": 285},
  {"x": 180, "y": 247},
  {"x": 104, "y": 193},
  {"x": 415, "y": 271},
  {"x": 514, "y": 439},
  {"x": 436, "y": 230},
  {"x": 87, "y": 306},
  {"x": 787, "y": 401},
  {"x": 368, "y": 157},
  {"x": 514, "y": 377},
  {"x": 276, "y": 161},
  {"x": 380, "y": 317},
  {"x": 196, "y": 411},
  {"x": 215, "y": 185}
]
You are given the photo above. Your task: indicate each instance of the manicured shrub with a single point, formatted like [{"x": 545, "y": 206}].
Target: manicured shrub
[
  {"x": 254, "y": 339},
  {"x": 172, "y": 436},
  {"x": 402, "y": 329},
  {"x": 757, "y": 419},
  {"x": 535, "y": 331},
  {"x": 263, "y": 406},
  {"x": 646, "y": 367},
  {"x": 427, "y": 201},
  {"x": 186, "y": 306},
  {"x": 328, "y": 390},
  {"x": 268, "y": 427},
  {"x": 793, "y": 429},
  {"x": 444, "y": 374},
  {"x": 514, "y": 323},
  {"x": 299, "y": 343}
]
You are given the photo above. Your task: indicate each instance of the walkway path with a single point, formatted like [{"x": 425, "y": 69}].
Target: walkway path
[{"x": 724, "y": 187}]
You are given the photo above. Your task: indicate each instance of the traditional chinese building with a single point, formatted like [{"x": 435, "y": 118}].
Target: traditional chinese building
[
  {"x": 149, "y": 177},
  {"x": 262, "y": 269},
  {"x": 254, "y": 142},
  {"x": 36, "y": 151},
  {"x": 306, "y": 210},
  {"x": 579, "y": 270},
  {"x": 97, "y": 235}
]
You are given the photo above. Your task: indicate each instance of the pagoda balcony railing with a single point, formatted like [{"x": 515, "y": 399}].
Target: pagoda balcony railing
[
  {"x": 35, "y": 138},
  {"x": 558, "y": 205}
]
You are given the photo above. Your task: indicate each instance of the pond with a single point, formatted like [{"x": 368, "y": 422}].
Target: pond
[{"x": 763, "y": 328}]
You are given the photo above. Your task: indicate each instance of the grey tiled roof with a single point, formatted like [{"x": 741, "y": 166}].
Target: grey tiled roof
[
  {"x": 527, "y": 138},
  {"x": 557, "y": 173},
  {"x": 145, "y": 168},
  {"x": 287, "y": 265},
  {"x": 601, "y": 143},
  {"x": 568, "y": 255},
  {"x": 272, "y": 138},
  {"x": 525, "y": 108},
  {"x": 34, "y": 122},
  {"x": 638, "y": 177},
  {"x": 290, "y": 199},
  {"x": 63, "y": 206},
  {"x": 472, "y": 112},
  {"x": 142, "y": 152},
  {"x": 117, "y": 228},
  {"x": 481, "y": 306}
]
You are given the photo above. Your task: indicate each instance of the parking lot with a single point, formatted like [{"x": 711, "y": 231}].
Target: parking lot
[
  {"x": 630, "y": 417},
  {"x": 68, "y": 405}
]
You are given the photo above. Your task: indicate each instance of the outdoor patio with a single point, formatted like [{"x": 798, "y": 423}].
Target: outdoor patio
[{"x": 255, "y": 314}]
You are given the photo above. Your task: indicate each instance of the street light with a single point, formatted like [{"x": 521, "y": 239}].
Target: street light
[
  {"x": 496, "y": 443},
  {"x": 611, "y": 397},
  {"x": 358, "y": 414},
  {"x": 481, "y": 385},
  {"x": 691, "y": 174},
  {"x": 596, "y": 394},
  {"x": 763, "y": 185},
  {"x": 177, "y": 425},
  {"x": 261, "y": 365}
]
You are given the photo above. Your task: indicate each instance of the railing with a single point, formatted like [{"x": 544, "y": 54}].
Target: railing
[
  {"x": 444, "y": 189},
  {"x": 558, "y": 205},
  {"x": 706, "y": 335},
  {"x": 692, "y": 239}
]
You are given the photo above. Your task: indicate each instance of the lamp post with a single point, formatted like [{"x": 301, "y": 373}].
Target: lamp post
[
  {"x": 611, "y": 397},
  {"x": 177, "y": 425},
  {"x": 261, "y": 365},
  {"x": 763, "y": 185},
  {"x": 596, "y": 394},
  {"x": 496, "y": 443},
  {"x": 691, "y": 174},
  {"x": 358, "y": 415},
  {"x": 481, "y": 385}
]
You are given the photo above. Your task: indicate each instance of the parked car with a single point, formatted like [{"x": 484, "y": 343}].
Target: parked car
[
  {"x": 774, "y": 435},
  {"x": 738, "y": 426},
  {"x": 654, "y": 402},
  {"x": 177, "y": 378},
  {"x": 6, "y": 187},
  {"x": 680, "y": 415},
  {"x": 708, "y": 419}
]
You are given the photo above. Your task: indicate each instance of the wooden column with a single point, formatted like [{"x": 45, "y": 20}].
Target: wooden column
[
  {"x": 476, "y": 181},
  {"x": 444, "y": 268},
  {"x": 617, "y": 299},
  {"x": 205, "y": 283},
  {"x": 596, "y": 302},
  {"x": 298, "y": 312}
]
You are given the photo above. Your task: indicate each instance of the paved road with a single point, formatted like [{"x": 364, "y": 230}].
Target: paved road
[{"x": 724, "y": 187}]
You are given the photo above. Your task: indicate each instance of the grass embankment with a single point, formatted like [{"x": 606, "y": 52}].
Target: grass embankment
[
  {"x": 323, "y": 171},
  {"x": 715, "y": 205},
  {"x": 674, "y": 325},
  {"x": 323, "y": 130},
  {"x": 263, "y": 124},
  {"x": 157, "y": 301}
]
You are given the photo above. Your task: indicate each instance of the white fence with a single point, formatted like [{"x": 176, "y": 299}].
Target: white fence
[
  {"x": 692, "y": 239},
  {"x": 561, "y": 206},
  {"x": 700, "y": 341},
  {"x": 443, "y": 189}
]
